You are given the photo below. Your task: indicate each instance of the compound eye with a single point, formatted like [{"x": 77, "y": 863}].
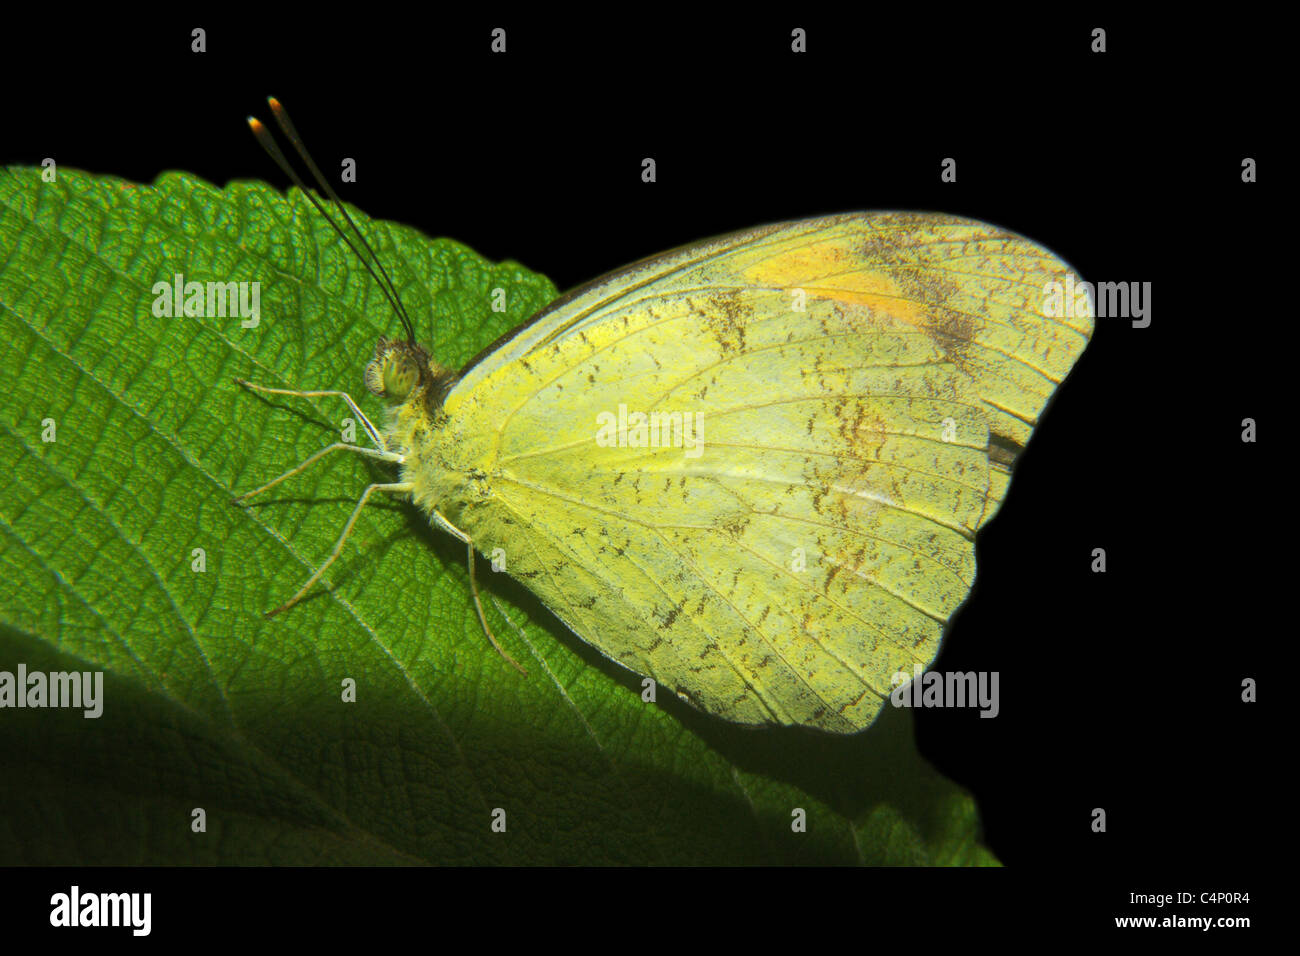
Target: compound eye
[
  {"x": 393, "y": 372},
  {"x": 400, "y": 375}
]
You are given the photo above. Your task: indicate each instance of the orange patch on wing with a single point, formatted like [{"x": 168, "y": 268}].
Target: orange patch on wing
[{"x": 831, "y": 270}]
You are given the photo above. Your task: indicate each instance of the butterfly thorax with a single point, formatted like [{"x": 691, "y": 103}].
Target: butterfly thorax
[{"x": 443, "y": 472}]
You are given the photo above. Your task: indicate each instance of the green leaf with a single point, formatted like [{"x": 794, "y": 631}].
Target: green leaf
[{"x": 209, "y": 705}]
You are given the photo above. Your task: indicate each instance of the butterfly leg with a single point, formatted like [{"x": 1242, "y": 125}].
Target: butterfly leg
[
  {"x": 473, "y": 587},
  {"x": 337, "y": 446},
  {"x": 396, "y": 488},
  {"x": 371, "y": 430}
]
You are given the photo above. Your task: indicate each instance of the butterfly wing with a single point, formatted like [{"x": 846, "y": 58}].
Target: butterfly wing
[{"x": 857, "y": 388}]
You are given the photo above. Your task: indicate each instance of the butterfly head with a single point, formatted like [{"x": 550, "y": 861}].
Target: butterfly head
[{"x": 399, "y": 368}]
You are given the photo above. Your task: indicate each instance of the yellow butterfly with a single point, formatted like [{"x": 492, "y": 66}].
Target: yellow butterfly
[{"x": 751, "y": 469}]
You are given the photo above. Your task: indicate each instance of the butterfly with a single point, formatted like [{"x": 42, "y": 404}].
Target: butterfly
[{"x": 751, "y": 469}]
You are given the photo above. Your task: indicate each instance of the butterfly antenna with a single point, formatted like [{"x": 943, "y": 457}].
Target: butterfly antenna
[{"x": 273, "y": 150}]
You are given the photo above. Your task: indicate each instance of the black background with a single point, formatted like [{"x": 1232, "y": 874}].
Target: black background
[{"x": 1120, "y": 690}]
